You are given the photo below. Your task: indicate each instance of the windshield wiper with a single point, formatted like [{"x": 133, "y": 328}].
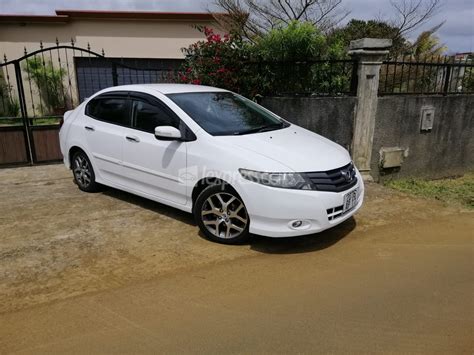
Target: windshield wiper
[{"x": 266, "y": 128}]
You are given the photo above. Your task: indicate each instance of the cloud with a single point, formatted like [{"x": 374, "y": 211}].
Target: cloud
[{"x": 48, "y": 6}]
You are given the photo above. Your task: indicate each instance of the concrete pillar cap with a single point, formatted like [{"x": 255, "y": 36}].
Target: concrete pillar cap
[{"x": 367, "y": 44}]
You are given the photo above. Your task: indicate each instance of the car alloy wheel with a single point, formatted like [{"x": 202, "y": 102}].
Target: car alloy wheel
[
  {"x": 82, "y": 171},
  {"x": 224, "y": 215}
]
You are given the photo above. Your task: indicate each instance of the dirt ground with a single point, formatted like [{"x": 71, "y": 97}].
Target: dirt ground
[{"x": 112, "y": 272}]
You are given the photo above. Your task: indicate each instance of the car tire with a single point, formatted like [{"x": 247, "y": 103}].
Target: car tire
[
  {"x": 83, "y": 172},
  {"x": 221, "y": 215}
]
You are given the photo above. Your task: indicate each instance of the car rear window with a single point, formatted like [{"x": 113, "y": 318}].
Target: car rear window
[
  {"x": 148, "y": 116},
  {"x": 110, "y": 109}
]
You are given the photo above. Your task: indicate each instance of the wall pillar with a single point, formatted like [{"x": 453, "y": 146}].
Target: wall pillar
[{"x": 369, "y": 52}]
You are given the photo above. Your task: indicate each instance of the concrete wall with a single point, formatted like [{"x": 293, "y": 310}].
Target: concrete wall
[
  {"x": 446, "y": 150},
  {"x": 331, "y": 117}
]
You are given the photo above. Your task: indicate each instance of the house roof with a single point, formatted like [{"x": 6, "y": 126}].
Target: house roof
[{"x": 64, "y": 16}]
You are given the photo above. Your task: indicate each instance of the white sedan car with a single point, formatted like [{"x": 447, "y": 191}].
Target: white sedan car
[{"x": 236, "y": 166}]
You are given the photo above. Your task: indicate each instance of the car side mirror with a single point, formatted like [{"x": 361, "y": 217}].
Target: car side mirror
[{"x": 167, "y": 133}]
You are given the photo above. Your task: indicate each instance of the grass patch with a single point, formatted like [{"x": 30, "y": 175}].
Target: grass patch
[
  {"x": 17, "y": 121},
  {"x": 46, "y": 120},
  {"x": 457, "y": 190}
]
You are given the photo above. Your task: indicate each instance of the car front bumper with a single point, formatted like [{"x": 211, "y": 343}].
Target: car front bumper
[{"x": 272, "y": 211}]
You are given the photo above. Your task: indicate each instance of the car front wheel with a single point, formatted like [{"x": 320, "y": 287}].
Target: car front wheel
[{"x": 221, "y": 215}]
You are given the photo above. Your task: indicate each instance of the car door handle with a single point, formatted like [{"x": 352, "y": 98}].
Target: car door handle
[
  {"x": 89, "y": 128},
  {"x": 132, "y": 139}
]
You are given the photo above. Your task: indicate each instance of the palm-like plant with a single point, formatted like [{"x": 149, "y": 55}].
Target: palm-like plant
[
  {"x": 49, "y": 81},
  {"x": 428, "y": 44}
]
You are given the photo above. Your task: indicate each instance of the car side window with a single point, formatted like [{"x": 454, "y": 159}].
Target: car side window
[
  {"x": 147, "y": 116},
  {"x": 110, "y": 109}
]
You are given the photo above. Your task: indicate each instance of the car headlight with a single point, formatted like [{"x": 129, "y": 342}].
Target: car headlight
[{"x": 282, "y": 180}]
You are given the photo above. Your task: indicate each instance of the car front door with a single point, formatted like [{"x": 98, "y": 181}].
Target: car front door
[
  {"x": 154, "y": 166},
  {"x": 107, "y": 116}
]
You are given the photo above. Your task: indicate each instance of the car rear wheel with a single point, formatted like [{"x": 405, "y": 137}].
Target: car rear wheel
[
  {"x": 221, "y": 215},
  {"x": 84, "y": 173}
]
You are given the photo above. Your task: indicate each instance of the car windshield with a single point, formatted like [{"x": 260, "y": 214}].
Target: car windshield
[{"x": 225, "y": 113}]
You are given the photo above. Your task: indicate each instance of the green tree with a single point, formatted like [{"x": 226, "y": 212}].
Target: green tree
[
  {"x": 296, "y": 59},
  {"x": 356, "y": 29},
  {"x": 428, "y": 44},
  {"x": 254, "y": 18},
  {"x": 296, "y": 41}
]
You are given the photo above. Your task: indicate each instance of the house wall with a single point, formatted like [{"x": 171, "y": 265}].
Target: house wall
[{"x": 119, "y": 38}]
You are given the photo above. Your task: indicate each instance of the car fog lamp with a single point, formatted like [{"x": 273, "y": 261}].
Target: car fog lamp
[{"x": 297, "y": 224}]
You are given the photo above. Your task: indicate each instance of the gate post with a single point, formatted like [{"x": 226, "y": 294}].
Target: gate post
[
  {"x": 369, "y": 52},
  {"x": 23, "y": 110}
]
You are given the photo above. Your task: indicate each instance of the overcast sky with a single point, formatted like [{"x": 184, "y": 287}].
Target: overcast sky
[{"x": 457, "y": 33}]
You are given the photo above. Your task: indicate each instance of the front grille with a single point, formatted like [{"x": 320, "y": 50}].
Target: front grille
[{"x": 335, "y": 180}]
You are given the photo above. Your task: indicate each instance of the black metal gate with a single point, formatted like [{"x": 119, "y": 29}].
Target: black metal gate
[
  {"x": 96, "y": 73},
  {"x": 37, "y": 88},
  {"x": 35, "y": 91}
]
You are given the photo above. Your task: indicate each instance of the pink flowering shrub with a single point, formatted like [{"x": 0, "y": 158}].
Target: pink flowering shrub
[{"x": 216, "y": 61}]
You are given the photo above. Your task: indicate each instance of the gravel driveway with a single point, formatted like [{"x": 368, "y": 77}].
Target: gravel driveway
[{"x": 57, "y": 242}]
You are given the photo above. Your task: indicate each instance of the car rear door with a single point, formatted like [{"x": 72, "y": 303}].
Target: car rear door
[
  {"x": 154, "y": 166},
  {"x": 107, "y": 116}
]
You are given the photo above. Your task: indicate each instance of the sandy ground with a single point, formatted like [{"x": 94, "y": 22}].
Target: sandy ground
[{"x": 110, "y": 272}]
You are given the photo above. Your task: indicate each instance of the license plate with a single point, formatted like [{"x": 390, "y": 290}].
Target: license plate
[{"x": 350, "y": 200}]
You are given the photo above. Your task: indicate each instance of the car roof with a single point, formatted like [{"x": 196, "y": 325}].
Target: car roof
[{"x": 164, "y": 88}]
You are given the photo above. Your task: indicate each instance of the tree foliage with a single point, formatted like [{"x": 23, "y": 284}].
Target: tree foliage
[
  {"x": 9, "y": 106},
  {"x": 288, "y": 54},
  {"x": 356, "y": 29},
  {"x": 428, "y": 44},
  {"x": 216, "y": 61},
  {"x": 254, "y": 18},
  {"x": 297, "y": 41},
  {"x": 296, "y": 46},
  {"x": 49, "y": 81},
  {"x": 270, "y": 65}
]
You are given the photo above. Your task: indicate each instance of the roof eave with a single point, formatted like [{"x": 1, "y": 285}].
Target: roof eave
[
  {"x": 33, "y": 18},
  {"x": 140, "y": 15},
  {"x": 64, "y": 16}
]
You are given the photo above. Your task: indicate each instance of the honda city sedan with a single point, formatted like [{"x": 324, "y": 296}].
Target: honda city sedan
[{"x": 239, "y": 168}]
